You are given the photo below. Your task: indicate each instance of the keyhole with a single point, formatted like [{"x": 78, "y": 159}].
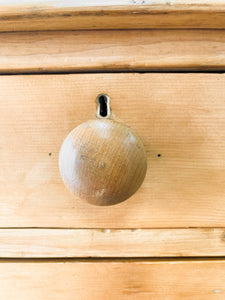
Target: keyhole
[{"x": 103, "y": 108}]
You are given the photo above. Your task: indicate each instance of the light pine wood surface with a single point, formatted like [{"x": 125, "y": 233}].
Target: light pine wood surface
[
  {"x": 64, "y": 243},
  {"x": 117, "y": 50},
  {"x": 179, "y": 117},
  {"x": 65, "y": 15},
  {"x": 126, "y": 279},
  {"x": 133, "y": 250}
]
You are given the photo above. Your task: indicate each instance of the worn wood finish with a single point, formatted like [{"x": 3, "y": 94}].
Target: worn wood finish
[
  {"x": 179, "y": 117},
  {"x": 117, "y": 50},
  {"x": 91, "y": 3},
  {"x": 102, "y": 161},
  {"x": 51, "y": 15},
  {"x": 82, "y": 280},
  {"x": 64, "y": 243}
]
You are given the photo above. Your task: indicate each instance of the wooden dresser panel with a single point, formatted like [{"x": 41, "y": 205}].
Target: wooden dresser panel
[
  {"x": 118, "y": 14},
  {"x": 112, "y": 50},
  {"x": 110, "y": 243},
  {"x": 167, "y": 241},
  {"x": 115, "y": 279},
  {"x": 180, "y": 118}
]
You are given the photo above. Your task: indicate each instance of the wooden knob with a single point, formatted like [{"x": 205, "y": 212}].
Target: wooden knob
[{"x": 102, "y": 161}]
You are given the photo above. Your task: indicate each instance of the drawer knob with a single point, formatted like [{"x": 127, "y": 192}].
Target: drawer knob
[{"x": 102, "y": 161}]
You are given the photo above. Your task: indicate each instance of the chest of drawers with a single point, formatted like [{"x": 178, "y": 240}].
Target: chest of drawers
[{"x": 162, "y": 66}]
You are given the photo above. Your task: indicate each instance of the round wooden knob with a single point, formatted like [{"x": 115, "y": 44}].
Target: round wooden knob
[{"x": 102, "y": 161}]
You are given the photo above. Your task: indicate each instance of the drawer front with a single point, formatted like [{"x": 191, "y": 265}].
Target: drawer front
[
  {"x": 83, "y": 280},
  {"x": 179, "y": 117}
]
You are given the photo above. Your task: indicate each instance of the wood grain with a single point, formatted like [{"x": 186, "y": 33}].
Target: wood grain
[
  {"x": 179, "y": 117},
  {"x": 91, "y": 3},
  {"x": 102, "y": 162},
  {"x": 82, "y": 280},
  {"x": 155, "y": 14},
  {"x": 64, "y": 243},
  {"x": 117, "y": 50}
]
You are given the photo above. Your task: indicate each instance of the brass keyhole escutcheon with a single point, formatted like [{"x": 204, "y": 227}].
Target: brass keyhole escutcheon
[{"x": 102, "y": 161}]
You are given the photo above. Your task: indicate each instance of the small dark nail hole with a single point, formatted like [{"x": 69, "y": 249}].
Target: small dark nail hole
[
  {"x": 159, "y": 155},
  {"x": 50, "y": 154},
  {"x": 103, "y": 102}
]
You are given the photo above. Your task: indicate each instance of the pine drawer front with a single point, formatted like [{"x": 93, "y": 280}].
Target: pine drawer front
[
  {"x": 116, "y": 279},
  {"x": 179, "y": 117},
  {"x": 166, "y": 242}
]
